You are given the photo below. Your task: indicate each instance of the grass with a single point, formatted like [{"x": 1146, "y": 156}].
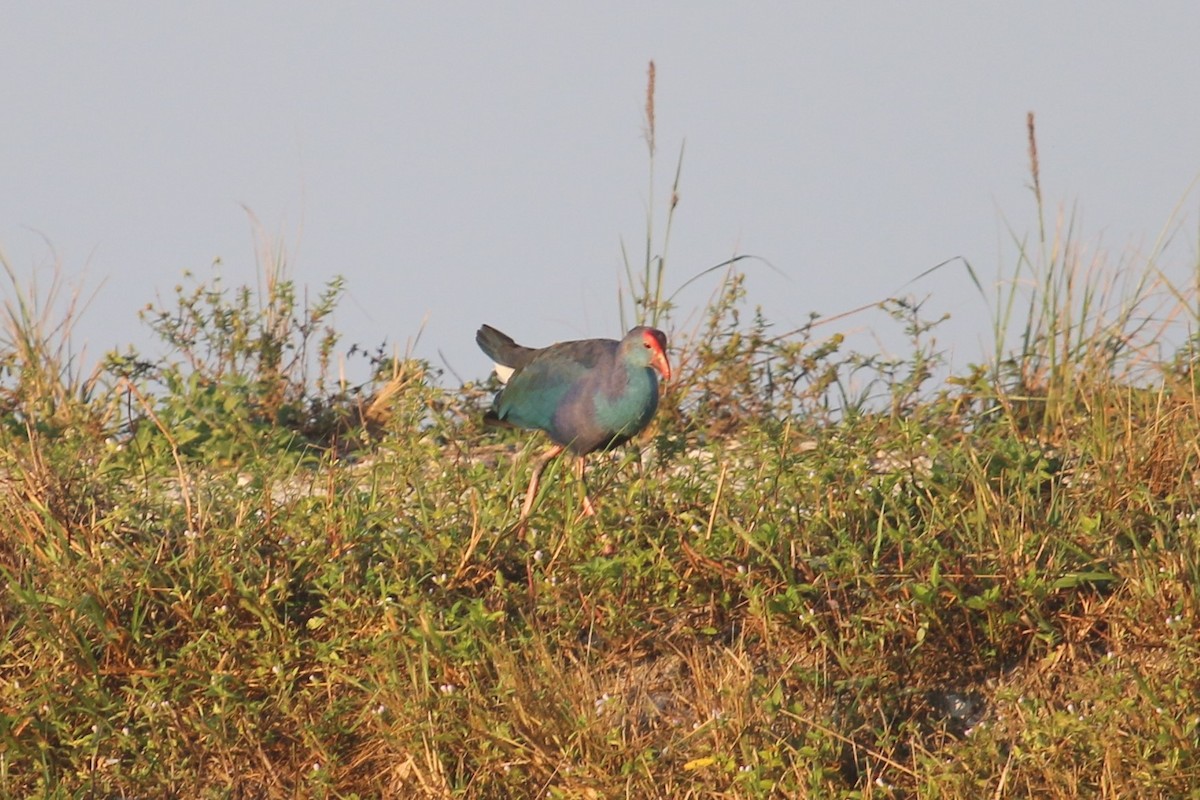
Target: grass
[{"x": 224, "y": 574}]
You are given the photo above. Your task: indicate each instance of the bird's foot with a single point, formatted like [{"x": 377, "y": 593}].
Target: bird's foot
[{"x": 586, "y": 508}]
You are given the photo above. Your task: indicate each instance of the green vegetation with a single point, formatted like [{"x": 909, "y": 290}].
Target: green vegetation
[{"x": 828, "y": 574}]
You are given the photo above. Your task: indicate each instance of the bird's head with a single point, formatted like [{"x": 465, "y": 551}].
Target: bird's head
[{"x": 648, "y": 347}]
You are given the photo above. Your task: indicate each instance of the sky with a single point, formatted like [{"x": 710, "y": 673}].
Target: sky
[{"x": 460, "y": 163}]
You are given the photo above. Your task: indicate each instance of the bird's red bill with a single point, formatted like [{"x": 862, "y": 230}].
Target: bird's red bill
[{"x": 658, "y": 355}]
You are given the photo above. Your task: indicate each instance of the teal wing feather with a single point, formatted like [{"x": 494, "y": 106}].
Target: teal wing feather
[{"x": 554, "y": 375}]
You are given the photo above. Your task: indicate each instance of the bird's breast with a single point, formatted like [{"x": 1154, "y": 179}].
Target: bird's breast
[{"x": 593, "y": 417}]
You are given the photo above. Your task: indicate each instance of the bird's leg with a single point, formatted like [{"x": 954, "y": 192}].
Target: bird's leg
[
  {"x": 588, "y": 509},
  {"x": 534, "y": 480}
]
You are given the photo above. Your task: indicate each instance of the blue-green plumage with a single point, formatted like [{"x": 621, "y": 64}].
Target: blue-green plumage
[{"x": 586, "y": 395}]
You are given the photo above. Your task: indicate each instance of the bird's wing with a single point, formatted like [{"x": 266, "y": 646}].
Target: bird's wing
[{"x": 537, "y": 389}]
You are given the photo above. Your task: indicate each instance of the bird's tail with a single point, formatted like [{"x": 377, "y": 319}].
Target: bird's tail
[{"x": 502, "y": 349}]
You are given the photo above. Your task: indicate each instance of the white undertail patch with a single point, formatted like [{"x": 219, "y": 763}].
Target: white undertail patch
[{"x": 504, "y": 373}]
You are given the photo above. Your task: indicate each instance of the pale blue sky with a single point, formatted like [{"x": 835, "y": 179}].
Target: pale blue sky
[{"x": 482, "y": 162}]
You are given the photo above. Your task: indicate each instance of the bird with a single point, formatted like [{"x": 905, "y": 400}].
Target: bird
[{"x": 587, "y": 395}]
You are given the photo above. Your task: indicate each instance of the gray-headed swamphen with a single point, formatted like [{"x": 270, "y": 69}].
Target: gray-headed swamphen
[{"x": 587, "y": 395}]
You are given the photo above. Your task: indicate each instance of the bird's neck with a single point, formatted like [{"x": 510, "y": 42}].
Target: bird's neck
[{"x": 630, "y": 382}]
